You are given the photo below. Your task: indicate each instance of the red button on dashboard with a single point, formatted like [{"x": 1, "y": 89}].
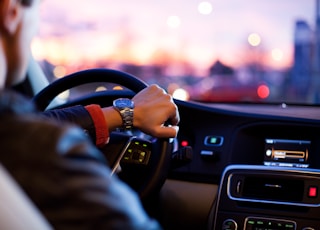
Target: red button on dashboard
[{"x": 313, "y": 191}]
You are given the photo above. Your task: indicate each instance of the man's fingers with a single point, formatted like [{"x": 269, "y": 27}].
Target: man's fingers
[{"x": 167, "y": 131}]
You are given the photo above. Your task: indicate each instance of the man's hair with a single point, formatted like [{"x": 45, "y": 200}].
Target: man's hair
[{"x": 26, "y": 2}]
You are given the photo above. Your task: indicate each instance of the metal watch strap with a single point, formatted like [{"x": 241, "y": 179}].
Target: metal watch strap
[{"x": 127, "y": 118}]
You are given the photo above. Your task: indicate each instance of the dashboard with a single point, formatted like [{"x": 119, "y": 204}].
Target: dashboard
[
  {"x": 222, "y": 134},
  {"x": 264, "y": 158}
]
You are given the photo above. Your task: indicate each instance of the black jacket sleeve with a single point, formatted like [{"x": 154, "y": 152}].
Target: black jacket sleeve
[{"x": 77, "y": 115}]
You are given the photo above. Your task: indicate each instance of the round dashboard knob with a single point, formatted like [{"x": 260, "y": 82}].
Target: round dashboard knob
[{"x": 229, "y": 224}]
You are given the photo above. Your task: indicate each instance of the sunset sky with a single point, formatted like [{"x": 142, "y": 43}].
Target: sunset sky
[{"x": 167, "y": 31}]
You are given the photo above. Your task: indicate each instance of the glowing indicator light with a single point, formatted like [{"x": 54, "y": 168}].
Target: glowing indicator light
[
  {"x": 213, "y": 140},
  {"x": 184, "y": 143},
  {"x": 313, "y": 191}
]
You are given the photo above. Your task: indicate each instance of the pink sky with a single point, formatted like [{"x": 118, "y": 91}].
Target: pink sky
[{"x": 136, "y": 31}]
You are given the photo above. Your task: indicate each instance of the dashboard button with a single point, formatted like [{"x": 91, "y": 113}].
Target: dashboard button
[
  {"x": 206, "y": 153},
  {"x": 229, "y": 224},
  {"x": 213, "y": 141},
  {"x": 313, "y": 191}
]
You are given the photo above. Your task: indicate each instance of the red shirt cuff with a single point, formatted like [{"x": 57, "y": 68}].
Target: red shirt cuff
[{"x": 100, "y": 124}]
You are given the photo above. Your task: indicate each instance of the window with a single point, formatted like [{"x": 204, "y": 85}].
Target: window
[{"x": 216, "y": 50}]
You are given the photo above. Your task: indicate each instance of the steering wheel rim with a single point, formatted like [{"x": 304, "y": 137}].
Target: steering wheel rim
[
  {"x": 45, "y": 96},
  {"x": 143, "y": 184}
]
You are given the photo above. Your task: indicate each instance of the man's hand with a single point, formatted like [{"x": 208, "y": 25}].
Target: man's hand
[{"x": 153, "y": 109}]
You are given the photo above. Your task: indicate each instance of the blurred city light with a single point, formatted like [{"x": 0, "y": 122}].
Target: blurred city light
[
  {"x": 263, "y": 91},
  {"x": 205, "y": 8},
  {"x": 173, "y": 21},
  {"x": 64, "y": 95},
  {"x": 117, "y": 87},
  {"x": 181, "y": 94},
  {"x": 59, "y": 71},
  {"x": 101, "y": 88},
  {"x": 277, "y": 54},
  {"x": 254, "y": 39}
]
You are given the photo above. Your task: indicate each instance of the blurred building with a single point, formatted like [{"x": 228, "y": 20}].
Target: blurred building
[
  {"x": 314, "y": 95},
  {"x": 303, "y": 62},
  {"x": 305, "y": 77}
]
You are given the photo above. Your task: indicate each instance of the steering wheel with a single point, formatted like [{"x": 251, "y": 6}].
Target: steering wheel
[{"x": 144, "y": 160}]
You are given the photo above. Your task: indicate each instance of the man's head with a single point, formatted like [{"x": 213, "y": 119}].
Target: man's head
[{"x": 18, "y": 24}]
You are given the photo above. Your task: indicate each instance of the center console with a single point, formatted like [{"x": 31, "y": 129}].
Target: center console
[{"x": 256, "y": 197}]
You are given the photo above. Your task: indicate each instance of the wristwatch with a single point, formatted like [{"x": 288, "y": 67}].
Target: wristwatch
[{"x": 125, "y": 107}]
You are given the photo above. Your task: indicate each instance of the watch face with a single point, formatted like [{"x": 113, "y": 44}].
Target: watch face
[
  {"x": 123, "y": 103},
  {"x": 125, "y": 107}
]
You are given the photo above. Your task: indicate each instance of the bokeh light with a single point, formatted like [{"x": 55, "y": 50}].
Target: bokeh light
[
  {"x": 173, "y": 21},
  {"x": 254, "y": 39},
  {"x": 277, "y": 54},
  {"x": 181, "y": 94},
  {"x": 205, "y": 8},
  {"x": 263, "y": 91}
]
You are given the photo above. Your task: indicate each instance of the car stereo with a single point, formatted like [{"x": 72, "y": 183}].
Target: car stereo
[
  {"x": 254, "y": 197},
  {"x": 286, "y": 152}
]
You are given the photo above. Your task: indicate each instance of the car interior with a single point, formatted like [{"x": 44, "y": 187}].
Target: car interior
[{"x": 252, "y": 165}]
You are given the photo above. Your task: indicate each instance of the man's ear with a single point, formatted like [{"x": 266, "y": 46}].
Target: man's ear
[{"x": 10, "y": 15}]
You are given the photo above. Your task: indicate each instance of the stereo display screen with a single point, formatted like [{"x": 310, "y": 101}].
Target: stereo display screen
[{"x": 286, "y": 152}]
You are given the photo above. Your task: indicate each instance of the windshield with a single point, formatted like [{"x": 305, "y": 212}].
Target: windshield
[{"x": 264, "y": 51}]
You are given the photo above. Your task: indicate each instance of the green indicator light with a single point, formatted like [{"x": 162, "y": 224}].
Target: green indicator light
[
  {"x": 213, "y": 140},
  {"x": 145, "y": 145}
]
